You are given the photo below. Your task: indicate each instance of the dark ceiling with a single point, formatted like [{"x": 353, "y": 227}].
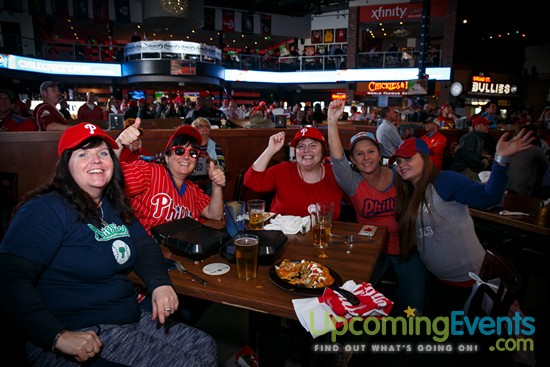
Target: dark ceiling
[{"x": 297, "y": 8}]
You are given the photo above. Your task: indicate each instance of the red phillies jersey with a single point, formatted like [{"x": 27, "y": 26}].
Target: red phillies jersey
[
  {"x": 45, "y": 114},
  {"x": 154, "y": 197}
]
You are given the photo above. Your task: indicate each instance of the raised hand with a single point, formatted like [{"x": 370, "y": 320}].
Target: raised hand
[
  {"x": 276, "y": 141},
  {"x": 130, "y": 134},
  {"x": 521, "y": 141},
  {"x": 335, "y": 111},
  {"x": 216, "y": 175}
]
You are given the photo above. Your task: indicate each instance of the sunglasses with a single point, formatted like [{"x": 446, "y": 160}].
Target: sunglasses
[{"x": 179, "y": 150}]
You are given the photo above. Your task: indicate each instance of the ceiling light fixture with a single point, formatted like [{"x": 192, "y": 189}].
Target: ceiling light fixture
[{"x": 174, "y": 7}]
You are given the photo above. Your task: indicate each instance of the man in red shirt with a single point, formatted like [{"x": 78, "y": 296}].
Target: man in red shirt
[
  {"x": 89, "y": 111},
  {"x": 9, "y": 121},
  {"x": 435, "y": 140},
  {"x": 46, "y": 114}
]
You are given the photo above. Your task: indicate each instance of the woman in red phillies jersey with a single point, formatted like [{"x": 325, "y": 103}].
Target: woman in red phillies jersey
[{"x": 161, "y": 193}]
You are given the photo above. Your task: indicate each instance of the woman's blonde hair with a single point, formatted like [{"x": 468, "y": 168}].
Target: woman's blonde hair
[{"x": 198, "y": 120}]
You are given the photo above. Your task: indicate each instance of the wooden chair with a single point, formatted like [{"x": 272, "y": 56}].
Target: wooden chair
[{"x": 496, "y": 267}]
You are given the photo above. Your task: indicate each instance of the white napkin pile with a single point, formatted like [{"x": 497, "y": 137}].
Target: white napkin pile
[
  {"x": 320, "y": 315},
  {"x": 289, "y": 224}
]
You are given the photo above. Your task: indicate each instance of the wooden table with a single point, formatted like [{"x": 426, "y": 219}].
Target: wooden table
[
  {"x": 535, "y": 224},
  {"x": 262, "y": 295}
]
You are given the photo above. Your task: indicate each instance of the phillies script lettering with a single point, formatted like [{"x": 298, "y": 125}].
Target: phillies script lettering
[
  {"x": 372, "y": 208},
  {"x": 163, "y": 205}
]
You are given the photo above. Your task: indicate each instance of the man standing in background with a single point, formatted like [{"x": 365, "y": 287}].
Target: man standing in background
[
  {"x": 90, "y": 111},
  {"x": 46, "y": 115},
  {"x": 387, "y": 134}
]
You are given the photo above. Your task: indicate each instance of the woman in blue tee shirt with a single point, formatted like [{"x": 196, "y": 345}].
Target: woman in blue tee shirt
[{"x": 64, "y": 265}]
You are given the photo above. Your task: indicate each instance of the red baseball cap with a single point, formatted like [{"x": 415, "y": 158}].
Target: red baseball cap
[
  {"x": 185, "y": 130},
  {"x": 205, "y": 94},
  {"x": 308, "y": 132},
  {"x": 409, "y": 147},
  {"x": 480, "y": 120},
  {"x": 73, "y": 136}
]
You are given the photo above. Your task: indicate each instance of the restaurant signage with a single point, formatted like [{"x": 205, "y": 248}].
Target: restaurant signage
[
  {"x": 400, "y": 11},
  {"x": 484, "y": 85},
  {"x": 182, "y": 47},
  {"x": 397, "y": 88}
]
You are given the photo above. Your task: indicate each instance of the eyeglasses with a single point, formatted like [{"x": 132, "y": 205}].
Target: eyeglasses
[
  {"x": 203, "y": 126},
  {"x": 179, "y": 150}
]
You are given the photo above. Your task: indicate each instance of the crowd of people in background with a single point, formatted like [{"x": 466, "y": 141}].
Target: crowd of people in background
[{"x": 54, "y": 112}]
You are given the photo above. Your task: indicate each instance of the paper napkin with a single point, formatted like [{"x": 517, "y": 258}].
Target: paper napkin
[
  {"x": 289, "y": 224},
  {"x": 320, "y": 315}
]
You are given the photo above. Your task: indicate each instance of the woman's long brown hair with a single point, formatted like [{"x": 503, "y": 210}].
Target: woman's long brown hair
[{"x": 409, "y": 201}]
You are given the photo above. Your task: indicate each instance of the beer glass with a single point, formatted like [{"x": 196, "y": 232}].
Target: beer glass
[
  {"x": 321, "y": 224},
  {"x": 256, "y": 213},
  {"x": 246, "y": 252}
]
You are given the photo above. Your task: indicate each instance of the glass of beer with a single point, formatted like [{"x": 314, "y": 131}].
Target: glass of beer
[
  {"x": 321, "y": 224},
  {"x": 246, "y": 252},
  {"x": 256, "y": 213}
]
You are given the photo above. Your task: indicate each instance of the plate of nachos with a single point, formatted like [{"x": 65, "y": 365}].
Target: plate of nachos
[{"x": 304, "y": 277}]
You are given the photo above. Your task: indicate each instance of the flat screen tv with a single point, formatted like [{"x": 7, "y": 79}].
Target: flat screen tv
[{"x": 136, "y": 94}]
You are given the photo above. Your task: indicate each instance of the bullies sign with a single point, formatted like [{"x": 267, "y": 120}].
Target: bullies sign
[{"x": 484, "y": 85}]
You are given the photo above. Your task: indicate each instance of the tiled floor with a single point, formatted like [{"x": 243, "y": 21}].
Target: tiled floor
[{"x": 229, "y": 327}]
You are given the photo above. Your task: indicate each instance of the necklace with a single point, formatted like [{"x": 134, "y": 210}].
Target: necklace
[
  {"x": 318, "y": 185},
  {"x": 103, "y": 222}
]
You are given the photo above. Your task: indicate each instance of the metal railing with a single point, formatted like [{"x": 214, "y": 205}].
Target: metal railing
[{"x": 115, "y": 53}]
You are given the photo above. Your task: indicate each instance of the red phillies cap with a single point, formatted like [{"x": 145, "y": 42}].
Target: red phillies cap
[
  {"x": 480, "y": 120},
  {"x": 308, "y": 132},
  {"x": 409, "y": 147},
  {"x": 73, "y": 136},
  {"x": 185, "y": 130}
]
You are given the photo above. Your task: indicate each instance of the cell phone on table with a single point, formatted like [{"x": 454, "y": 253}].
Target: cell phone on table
[
  {"x": 368, "y": 230},
  {"x": 170, "y": 264}
]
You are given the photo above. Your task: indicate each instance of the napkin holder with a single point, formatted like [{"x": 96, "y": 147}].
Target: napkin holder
[
  {"x": 270, "y": 246},
  {"x": 190, "y": 238}
]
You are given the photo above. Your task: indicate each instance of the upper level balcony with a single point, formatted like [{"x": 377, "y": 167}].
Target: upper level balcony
[{"x": 181, "y": 50}]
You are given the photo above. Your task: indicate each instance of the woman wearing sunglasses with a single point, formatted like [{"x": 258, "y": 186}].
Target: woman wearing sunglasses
[{"x": 161, "y": 193}]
